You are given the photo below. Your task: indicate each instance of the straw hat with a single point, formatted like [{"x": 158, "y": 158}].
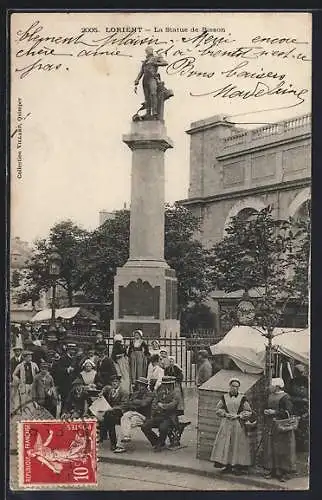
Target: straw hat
[
  {"x": 168, "y": 380},
  {"x": 143, "y": 380}
]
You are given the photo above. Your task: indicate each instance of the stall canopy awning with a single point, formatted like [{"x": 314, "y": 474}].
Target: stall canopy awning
[
  {"x": 294, "y": 344},
  {"x": 64, "y": 313},
  {"x": 245, "y": 345}
]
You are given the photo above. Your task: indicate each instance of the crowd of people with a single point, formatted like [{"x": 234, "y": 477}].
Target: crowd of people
[{"x": 141, "y": 384}]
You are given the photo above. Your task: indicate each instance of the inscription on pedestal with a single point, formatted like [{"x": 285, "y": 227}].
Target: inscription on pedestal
[
  {"x": 139, "y": 298},
  {"x": 150, "y": 330}
]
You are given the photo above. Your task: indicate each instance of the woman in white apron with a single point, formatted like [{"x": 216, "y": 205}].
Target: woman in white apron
[{"x": 231, "y": 448}]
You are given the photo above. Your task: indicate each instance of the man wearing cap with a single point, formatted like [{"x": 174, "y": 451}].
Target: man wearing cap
[
  {"x": 16, "y": 358},
  {"x": 231, "y": 449},
  {"x": 204, "y": 369},
  {"x": 100, "y": 343},
  {"x": 14, "y": 362},
  {"x": 106, "y": 370},
  {"x": 78, "y": 360},
  {"x": 163, "y": 413},
  {"x": 43, "y": 389},
  {"x": 62, "y": 372},
  {"x": 137, "y": 411},
  {"x": 117, "y": 398},
  {"x": 23, "y": 377},
  {"x": 38, "y": 353},
  {"x": 164, "y": 359}
]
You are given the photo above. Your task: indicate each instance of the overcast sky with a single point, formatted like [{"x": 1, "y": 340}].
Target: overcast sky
[{"x": 74, "y": 163}]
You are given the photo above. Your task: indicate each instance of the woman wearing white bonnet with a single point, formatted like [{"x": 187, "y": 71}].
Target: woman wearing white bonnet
[
  {"x": 234, "y": 379},
  {"x": 138, "y": 356},
  {"x": 280, "y": 457},
  {"x": 278, "y": 382},
  {"x": 88, "y": 373},
  {"x": 231, "y": 449},
  {"x": 154, "y": 348}
]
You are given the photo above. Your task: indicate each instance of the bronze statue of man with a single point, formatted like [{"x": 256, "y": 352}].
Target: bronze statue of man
[{"x": 151, "y": 82}]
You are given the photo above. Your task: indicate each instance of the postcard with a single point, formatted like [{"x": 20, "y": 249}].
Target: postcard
[{"x": 160, "y": 174}]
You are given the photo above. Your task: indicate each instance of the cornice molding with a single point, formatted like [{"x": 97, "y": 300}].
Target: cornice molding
[{"x": 280, "y": 186}]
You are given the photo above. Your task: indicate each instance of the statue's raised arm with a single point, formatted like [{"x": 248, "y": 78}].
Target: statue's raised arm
[{"x": 154, "y": 90}]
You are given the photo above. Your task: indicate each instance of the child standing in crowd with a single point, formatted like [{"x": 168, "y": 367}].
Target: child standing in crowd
[{"x": 43, "y": 390}]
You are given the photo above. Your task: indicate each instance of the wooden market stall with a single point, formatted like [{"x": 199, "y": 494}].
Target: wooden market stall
[{"x": 252, "y": 385}]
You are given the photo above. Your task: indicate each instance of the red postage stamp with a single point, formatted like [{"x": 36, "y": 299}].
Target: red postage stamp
[{"x": 57, "y": 452}]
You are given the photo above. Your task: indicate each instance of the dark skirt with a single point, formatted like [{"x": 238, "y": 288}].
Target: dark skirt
[{"x": 280, "y": 451}]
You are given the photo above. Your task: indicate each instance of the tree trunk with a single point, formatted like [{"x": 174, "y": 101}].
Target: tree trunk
[
  {"x": 70, "y": 296},
  {"x": 268, "y": 359}
]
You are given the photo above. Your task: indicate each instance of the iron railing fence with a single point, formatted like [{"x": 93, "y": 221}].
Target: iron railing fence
[{"x": 184, "y": 350}]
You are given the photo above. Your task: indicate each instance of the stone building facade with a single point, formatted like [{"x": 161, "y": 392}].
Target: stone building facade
[{"x": 236, "y": 171}]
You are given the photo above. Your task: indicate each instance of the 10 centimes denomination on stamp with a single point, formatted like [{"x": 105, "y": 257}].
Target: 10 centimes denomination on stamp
[{"x": 57, "y": 453}]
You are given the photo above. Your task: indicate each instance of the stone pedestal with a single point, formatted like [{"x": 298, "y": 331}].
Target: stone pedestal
[{"x": 145, "y": 288}]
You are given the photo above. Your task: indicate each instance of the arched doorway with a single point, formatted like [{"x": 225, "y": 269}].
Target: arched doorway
[
  {"x": 304, "y": 211},
  {"x": 301, "y": 202},
  {"x": 244, "y": 209}
]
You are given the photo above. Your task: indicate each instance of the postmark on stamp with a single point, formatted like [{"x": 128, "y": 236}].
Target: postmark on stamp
[{"x": 57, "y": 453}]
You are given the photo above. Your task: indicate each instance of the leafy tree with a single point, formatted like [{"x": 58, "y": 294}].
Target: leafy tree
[
  {"x": 258, "y": 254},
  {"x": 15, "y": 279},
  {"x": 301, "y": 256},
  {"x": 66, "y": 237},
  {"x": 108, "y": 248},
  {"x": 186, "y": 255},
  {"x": 90, "y": 259}
]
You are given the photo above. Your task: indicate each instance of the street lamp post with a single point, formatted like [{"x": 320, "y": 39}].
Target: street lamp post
[{"x": 54, "y": 272}]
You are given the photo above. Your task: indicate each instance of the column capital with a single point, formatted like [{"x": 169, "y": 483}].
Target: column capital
[{"x": 149, "y": 134}]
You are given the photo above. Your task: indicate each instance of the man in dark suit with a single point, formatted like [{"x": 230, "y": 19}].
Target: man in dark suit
[
  {"x": 163, "y": 413},
  {"x": 117, "y": 398},
  {"x": 106, "y": 370},
  {"x": 16, "y": 359}
]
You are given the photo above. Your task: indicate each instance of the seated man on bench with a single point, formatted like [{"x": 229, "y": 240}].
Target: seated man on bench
[
  {"x": 117, "y": 398},
  {"x": 136, "y": 411},
  {"x": 163, "y": 413}
]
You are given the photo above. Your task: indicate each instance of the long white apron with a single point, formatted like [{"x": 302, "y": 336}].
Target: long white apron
[{"x": 231, "y": 446}]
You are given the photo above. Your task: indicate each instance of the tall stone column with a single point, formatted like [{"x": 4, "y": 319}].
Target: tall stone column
[
  {"x": 148, "y": 142},
  {"x": 145, "y": 288}
]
